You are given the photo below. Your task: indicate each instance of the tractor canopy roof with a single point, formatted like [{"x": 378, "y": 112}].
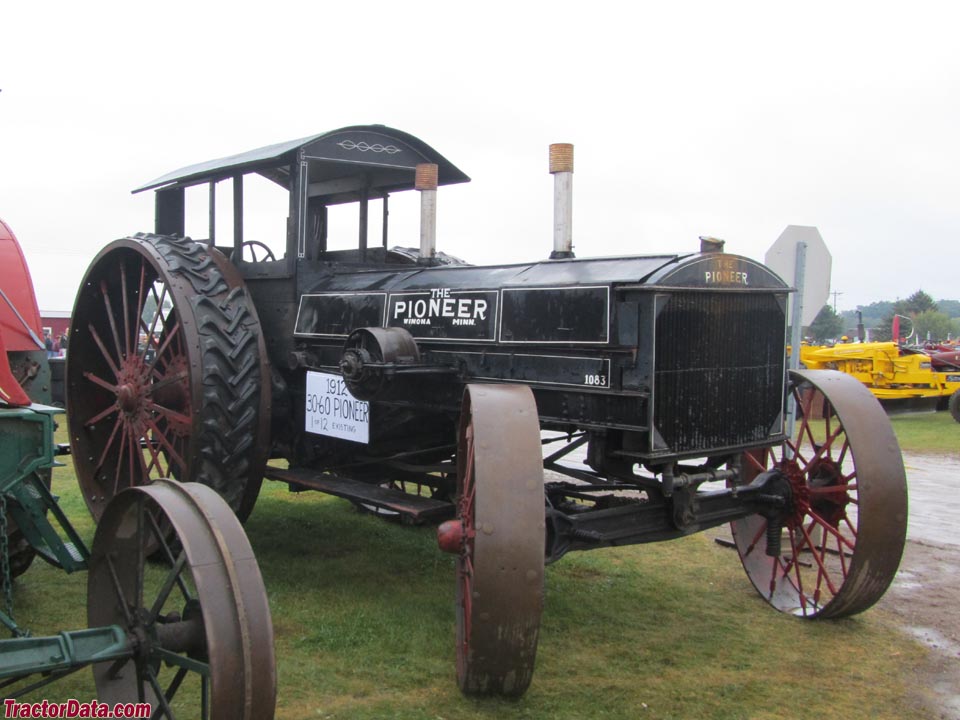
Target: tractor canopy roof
[{"x": 339, "y": 164}]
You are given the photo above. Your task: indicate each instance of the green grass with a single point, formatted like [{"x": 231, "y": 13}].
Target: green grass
[
  {"x": 927, "y": 432},
  {"x": 364, "y": 619}
]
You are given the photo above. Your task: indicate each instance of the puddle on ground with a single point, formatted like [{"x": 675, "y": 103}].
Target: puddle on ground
[{"x": 932, "y": 638}]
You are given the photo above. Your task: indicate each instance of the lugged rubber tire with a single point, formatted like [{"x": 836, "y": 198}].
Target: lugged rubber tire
[
  {"x": 954, "y": 405},
  {"x": 217, "y": 431}
]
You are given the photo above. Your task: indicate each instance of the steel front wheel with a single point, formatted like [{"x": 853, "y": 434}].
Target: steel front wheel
[
  {"x": 200, "y": 625},
  {"x": 167, "y": 373},
  {"x": 498, "y": 536},
  {"x": 845, "y": 525}
]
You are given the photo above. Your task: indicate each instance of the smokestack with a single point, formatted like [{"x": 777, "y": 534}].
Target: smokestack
[
  {"x": 711, "y": 244},
  {"x": 426, "y": 182},
  {"x": 561, "y": 167}
]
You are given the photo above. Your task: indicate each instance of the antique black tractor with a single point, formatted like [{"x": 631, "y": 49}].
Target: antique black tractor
[{"x": 423, "y": 388}]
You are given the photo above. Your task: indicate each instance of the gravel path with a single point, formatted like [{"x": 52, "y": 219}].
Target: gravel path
[{"x": 925, "y": 597}]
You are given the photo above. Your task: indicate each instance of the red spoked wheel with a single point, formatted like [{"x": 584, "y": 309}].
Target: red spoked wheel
[
  {"x": 499, "y": 537},
  {"x": 197, "y": 620},
  {"x": 845, "y": 527},
  {"x": 167, "y": 374}
]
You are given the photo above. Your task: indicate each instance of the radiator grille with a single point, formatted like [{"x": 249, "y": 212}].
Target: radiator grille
[{"x": 718, "y": 373}]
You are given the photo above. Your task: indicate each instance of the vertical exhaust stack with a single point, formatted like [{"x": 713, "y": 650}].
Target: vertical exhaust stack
[
  {"x": 561, "y": 167},
  {"x": 711, "y": 244},
  {"x": 426, "y": 182}
]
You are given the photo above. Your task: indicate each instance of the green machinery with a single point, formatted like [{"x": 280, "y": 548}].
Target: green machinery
[{"x": 174, "y": 591}]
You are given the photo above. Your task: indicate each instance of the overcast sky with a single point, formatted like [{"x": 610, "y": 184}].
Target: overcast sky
[{"x": 688, "y": 118}]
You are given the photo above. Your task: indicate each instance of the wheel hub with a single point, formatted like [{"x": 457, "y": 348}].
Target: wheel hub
[
  {"x": 132, "y": 389},
  {"x": 799, "y": 502},
  {"x": 823, "y": 474},
  {"x": 450, "y": 535},
  {"x": 128, "y": 397},
  {"x": 820, "y": 474}
]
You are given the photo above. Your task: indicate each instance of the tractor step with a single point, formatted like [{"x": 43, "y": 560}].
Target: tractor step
[{"x": 415, "y": 507}]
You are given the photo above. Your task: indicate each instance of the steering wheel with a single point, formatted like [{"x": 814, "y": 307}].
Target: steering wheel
[{"x": 254, "y": 246}]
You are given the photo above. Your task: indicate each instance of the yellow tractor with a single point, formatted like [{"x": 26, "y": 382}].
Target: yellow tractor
[{"x": 901, "y": 377}]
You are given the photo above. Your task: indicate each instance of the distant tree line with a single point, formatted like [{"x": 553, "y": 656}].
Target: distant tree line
[{"x": 928, "y": 319}]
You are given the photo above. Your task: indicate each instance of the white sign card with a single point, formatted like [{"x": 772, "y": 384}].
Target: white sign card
[{"x": 331, "y": 410}]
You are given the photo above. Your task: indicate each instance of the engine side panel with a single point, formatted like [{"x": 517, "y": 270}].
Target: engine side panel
[{"x": 683, "y": 355}]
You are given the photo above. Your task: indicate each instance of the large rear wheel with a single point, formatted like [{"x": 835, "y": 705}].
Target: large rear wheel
[
  {"x": 167, "y": 373},
  {"x": 845, "y": 527}
]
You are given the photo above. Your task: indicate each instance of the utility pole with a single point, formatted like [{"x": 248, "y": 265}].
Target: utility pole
[{"x": 835, "y": 293}]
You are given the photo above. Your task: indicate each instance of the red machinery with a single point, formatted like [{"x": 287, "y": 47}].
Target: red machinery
[
  {"x": 20, "y": 329},
  {"x": 19, "y": 314}
]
